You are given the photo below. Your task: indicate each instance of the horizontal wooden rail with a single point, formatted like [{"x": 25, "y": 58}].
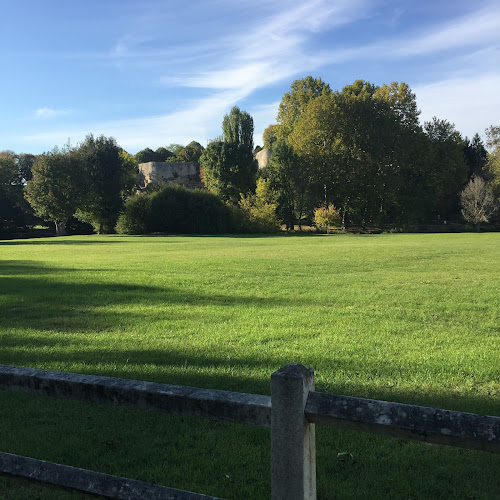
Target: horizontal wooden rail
[
  {"x": 293, "y": 454},
  {"x": 90, "y": 482},
  {"x": 454, "y": 428},
  {"x": 241, "y": 408}
]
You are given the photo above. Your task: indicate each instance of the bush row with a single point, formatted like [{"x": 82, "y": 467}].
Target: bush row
[{"x": 178, "y": 210}]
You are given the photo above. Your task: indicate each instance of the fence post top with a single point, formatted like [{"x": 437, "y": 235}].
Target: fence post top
[{"x": 294, "y": 370}]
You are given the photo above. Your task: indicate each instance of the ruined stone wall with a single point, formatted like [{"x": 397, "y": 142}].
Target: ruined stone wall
[
  {"x": 184, "y": 173},
  {"x": 263, "y": 157}
]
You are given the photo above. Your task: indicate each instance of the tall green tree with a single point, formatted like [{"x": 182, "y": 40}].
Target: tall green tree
[
  {"x": 130, "y": 169},
  {"x": 55, "y": 191},
  {"x": 404, "y": 170},
  {"x": 237, "y": 128},
  {"x": 493, "y": 136},
  {"x": 25, "y": 163},
  {"x": 11, "y": 194},
  {"x": 16, "y": 213},
  {"x": 229, "y": 168},
  {"x": 400, "y": 99},
  {"x": 493, "y": 163},
  {"x": 294, "y": 103},
  {"x": 269, "y": 136},
  {"x": 291, "y": 181},
  {"x": 338, "y": 136},
  {"x": 476, "y": 157},
  {"x": 361, "y": 147},
  {"x": 227, "y": 171},
  {"x": 107, "y": 176},
  {"x": 448, "y": 172}
]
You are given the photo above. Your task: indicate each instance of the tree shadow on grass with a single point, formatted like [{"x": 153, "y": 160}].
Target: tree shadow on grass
[
  {"x": 60, "y": 240},
  {"x": 231, "y": 370},
  {"x": 61, "y": 323},
  {"x": 374, "y": 455},
  {"x": 30, "y": 300}
]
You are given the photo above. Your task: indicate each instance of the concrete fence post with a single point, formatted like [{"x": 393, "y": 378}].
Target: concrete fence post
[{"x": 293, "y": 445}]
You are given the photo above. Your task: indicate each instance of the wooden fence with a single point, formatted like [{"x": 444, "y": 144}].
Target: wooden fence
[{"x": 291, "y": 412}]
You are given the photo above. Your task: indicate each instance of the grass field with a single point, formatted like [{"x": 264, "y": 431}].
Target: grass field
[{"x": 409, "y": 318}]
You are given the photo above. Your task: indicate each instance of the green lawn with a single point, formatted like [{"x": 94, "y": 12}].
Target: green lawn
[{"x": 409, "y": 318}]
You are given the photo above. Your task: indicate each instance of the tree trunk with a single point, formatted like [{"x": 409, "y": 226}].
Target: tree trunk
[{"x": 61, "y": 227}]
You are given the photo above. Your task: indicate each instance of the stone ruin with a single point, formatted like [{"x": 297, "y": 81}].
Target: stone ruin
[
  {"x": 263, "y": 157},
  {"x": 184, "y": 173}
]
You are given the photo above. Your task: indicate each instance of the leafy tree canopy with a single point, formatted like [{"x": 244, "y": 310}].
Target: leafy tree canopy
[
  {"x": 401, "y": 101},
  {"x": 237, "y": 128},
  {"x": 296, "y": 100},
  {"x": 189, "y": 153},
  {"x": 229, "y": 168},
  {"x": 477, "y": 201},
  {"x": 493, "y": 164},
  {"x": 476, "y": 157},
  {"x": 270, "y": 136},
  {"x": 107, "y": 174},
  {"x": 57, "y": 186},
  {"x": 162, "y": 154},
  {"x": 146, "y": 155},
  {"x": 448, "y": 167},
  {"x": 493, "y": 136}
]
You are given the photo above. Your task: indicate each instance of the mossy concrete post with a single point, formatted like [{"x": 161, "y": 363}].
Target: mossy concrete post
[{"x": 293, "y": 446}]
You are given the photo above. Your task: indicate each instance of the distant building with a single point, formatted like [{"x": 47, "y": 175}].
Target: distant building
[
  {"x": 263, "y": 157},
  {"x": 183, "y": 173}
]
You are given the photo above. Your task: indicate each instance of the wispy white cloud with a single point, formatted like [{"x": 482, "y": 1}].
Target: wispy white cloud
[
  {"x": 46, "y": 113},
  {"x": 476, "y": 28},
  {"x": 179, "y": 127},
  {"x": 265, "y": 52},
  {"x": 462, "y": 101},
  {"x": 230, "y": 63},
  {"x": 192, "y": 123},
  {"x": 471, "y": 33}
]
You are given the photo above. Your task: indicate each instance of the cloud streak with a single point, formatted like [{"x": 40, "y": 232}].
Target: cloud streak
[
  {"x": 480, "y": 28},
  {"x": 274, "y": 46},
  {"x": 476, "y": 95},
  {"x": 48, "y": 113}
]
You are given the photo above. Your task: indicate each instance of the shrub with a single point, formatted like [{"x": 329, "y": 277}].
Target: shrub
[
  {"x": 478, "y": 202},
  {"x": 326, "y": 217},
  {"x": 261, "y": 208},
  {"x": 175, "y": 209},
  {"x": 135, "y": 217}
]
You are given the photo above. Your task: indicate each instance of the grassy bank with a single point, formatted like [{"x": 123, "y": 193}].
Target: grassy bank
[{"x": 410, "y": 318}]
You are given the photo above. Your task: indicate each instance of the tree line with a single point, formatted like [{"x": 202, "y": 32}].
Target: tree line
[
  {"x": 87, "y": 181},
  {"x": 86, "y": 185},
  {"x": 351, "y": 157},
  {"x": 354, "y": 157},
  {"x": 363, "y": 150}
]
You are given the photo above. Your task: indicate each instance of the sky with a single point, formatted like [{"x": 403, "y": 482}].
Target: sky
[{"x": 151, "y": 73}]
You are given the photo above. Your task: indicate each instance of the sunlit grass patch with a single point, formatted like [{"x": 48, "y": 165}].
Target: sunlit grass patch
[{"x": 410, "y": 318}]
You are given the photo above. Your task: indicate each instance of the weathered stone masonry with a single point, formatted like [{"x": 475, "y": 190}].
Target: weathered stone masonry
[{"x": 184, "y": 173}]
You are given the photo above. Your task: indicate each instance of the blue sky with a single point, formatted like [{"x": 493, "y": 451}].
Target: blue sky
[{"x": 151, "y": 73}]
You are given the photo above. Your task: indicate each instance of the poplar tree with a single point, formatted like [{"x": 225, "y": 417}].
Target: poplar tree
[{"x": 229, "y": 168}]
